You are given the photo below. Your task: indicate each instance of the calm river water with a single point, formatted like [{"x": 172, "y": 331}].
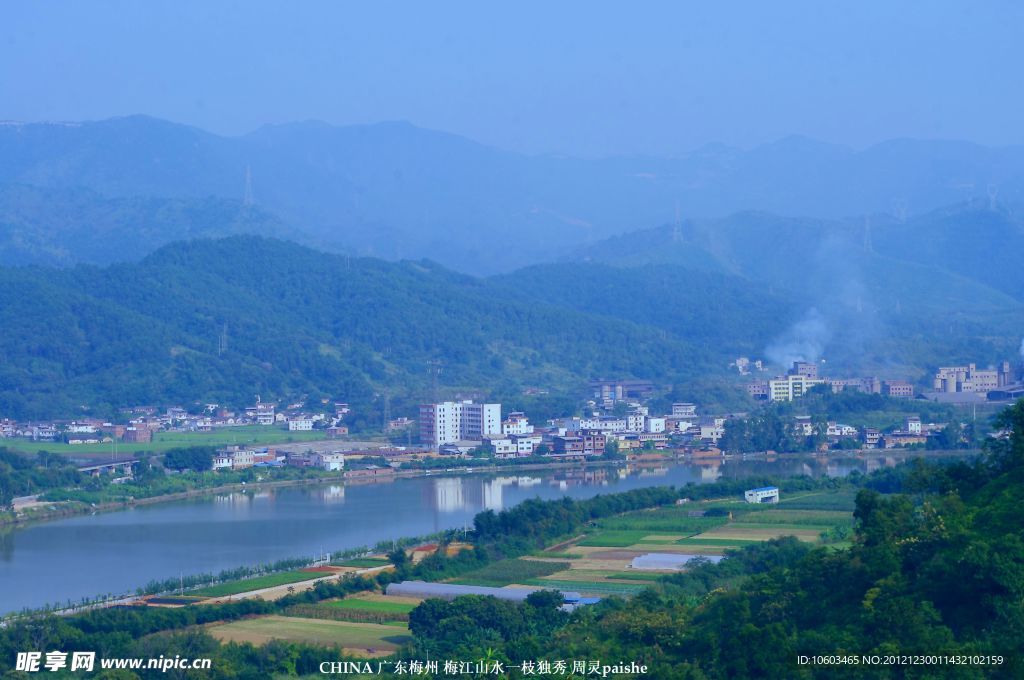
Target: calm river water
[{"x": 115, "y": 552}]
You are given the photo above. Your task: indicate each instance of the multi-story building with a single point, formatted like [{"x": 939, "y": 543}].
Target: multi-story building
[
  {"x": 300, "y": 424},
  {"x": 654, "y": 425},
  {"x": 898, "y": 388},
  {"x": 758, "y": 389},
  {"x": 330, "y": 461},
  {"x": 567, "y": 444},
  {"x": 452, "y": 421},
  {"x": 138, "y": 433},
  {"x": 605, "y": 424},
  {"x": 790, "y": 387},
  {"x": 516, "y": 424},
  {"x": 610, "y": 391},
  {"x": 684, "y": 410},
  {"x": 807, "y": 369}
]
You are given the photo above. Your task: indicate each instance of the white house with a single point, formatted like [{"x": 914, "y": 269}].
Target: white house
[
  {"x": 300, "y": 424},
  {"x": 764, "y": 494},
  {"x": 330, "y": 461}
]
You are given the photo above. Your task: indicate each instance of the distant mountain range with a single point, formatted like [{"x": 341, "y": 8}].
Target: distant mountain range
[{"x": 397, "y": 191}]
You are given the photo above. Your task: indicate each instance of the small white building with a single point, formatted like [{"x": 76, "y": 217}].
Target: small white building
[
  {"x": 654, "y": 425},
  {"x": 764, "y": 494},
  {"x": 300, "y": 424},
  {"x": 223, "y": 461},
  {"x": 330, "y": 461}
]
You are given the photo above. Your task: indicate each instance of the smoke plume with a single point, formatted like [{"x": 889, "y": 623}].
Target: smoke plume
[{"x": 803, "y": 341}]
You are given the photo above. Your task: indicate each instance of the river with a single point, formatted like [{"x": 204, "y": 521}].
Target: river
[{"x": 115, "y": 552}]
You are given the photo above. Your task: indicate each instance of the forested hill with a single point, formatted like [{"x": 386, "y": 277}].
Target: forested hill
[{"x": 297, "y": 321}]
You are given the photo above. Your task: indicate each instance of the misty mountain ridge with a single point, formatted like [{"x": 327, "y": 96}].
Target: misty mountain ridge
[{"x": 398, "y": 191}]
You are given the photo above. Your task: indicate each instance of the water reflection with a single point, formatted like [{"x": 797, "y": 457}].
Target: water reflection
[{"x": 117, "y": 551}]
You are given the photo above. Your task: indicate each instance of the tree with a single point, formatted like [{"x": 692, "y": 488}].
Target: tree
[{"x": 198, "y": 458}]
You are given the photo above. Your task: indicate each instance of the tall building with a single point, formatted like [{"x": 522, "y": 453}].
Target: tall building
[
  {"x": 452, "y": 421},
  {"x": 790, "y": 387},
  {"x": 807, "y": 369}
]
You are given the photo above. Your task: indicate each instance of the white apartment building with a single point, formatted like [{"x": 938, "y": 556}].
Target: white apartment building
[
  {"x": 602, "y": 424},
  {"x": 790, "y": 387},
  {"x": 452, "y": 421}
]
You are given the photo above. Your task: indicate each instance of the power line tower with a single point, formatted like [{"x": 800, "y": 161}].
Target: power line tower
[
  {"x": 993, "y": 193},
  {"x": 222, "y": 340},
  {"x": 387, "y": 409},
  {"x": 677, "y": 234}
]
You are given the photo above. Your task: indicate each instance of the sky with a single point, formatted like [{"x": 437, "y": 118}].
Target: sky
[{"x": 577, "y": 78}]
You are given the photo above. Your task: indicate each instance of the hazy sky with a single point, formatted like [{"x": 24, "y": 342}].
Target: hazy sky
[{"x": 582, "y": 78}]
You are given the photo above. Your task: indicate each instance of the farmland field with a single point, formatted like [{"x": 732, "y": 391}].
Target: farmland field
[
  {"x": 162, "y": 441},
  {"x": 669, "y": 520},
  {"x": 381, "y": 606},
  {"x": 759, "y": 532},
  {"x": 718, "y": 542},
  {"x": 623, "y": 538},
  {"x": 633, "y": 576},
  {"x": 372, "y": 638},
  {"x": 258, "y": 583},
  {"x": 364, "y": 562},
  {"x": 597, "y": 587},
  {"x": 820, "y": 500},
  {"x": 507, "y": 572},
  {"x": 797, "y": 517},
  {"x": 554, "y": 555}
]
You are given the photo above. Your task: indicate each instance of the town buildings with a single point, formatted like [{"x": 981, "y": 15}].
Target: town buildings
[{"x": 453, "y": 421}]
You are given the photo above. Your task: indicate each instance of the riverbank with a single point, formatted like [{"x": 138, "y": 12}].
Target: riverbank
[{"x": 64, "y": 509}]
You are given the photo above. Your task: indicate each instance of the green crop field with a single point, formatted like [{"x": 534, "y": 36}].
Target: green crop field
[
  {"x": 597, "y": 587},
  {"x": 633, "y": 576},
  {"x": 507, "y": 572},
  {"x": 364, "y": 562},
  {"x": 162, "y": 441},
  {"x": 344, "y": 634},
  {"x": 558, "y": 555},
  {"x": 820, "y": 500},
  {"x": 798, "y": 517},
  {"x": 372, "y": 605},
  {"x": 720, "y": 542},
  {"x": 614, "y": 539},
  {"x": 778, "y": 525},
  {"x": 258, "y": 583},
  {"x": 663, "y": 520}
]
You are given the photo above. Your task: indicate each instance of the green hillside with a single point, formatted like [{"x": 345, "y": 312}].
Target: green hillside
[{"x": 297, "y": 322}]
